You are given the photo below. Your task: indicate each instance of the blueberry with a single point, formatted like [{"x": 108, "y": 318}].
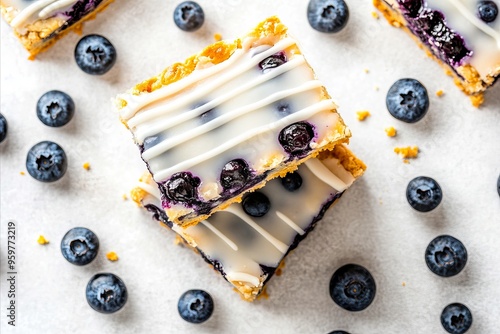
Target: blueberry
[
  {"x": 453, "y": 47},
  {"x": 189, "y": 16},
  {"x": 407, "y": 100},
  {"x": 295, "y": 138},
  {"x": 423, "y": 193},
  {"x": 182, "y": 187},
  {"x": 234, "y": 174},
  {"x": 498, "y": 185},
  {"x": 106, "y": 293},
  {"x": 3, "y": 128},
  {"x": 411, "y": 7},
  {"x": 328, "y": 16},
  {"x": 55, "y": 108},
  {"x": 283, "y": 108},
  {"x": 446, "y": 256},
  {"x": 292, "y": 181},
  {"x": 352, "y": 287},
  {"x": 256, "y": 204},
  {"x": 273, "y": 61},
  {"x": 46, "y": 161},
  {"x": 487, "y": 11},
  {"x": 338, "y": 332},
  {"x": 94, "y": 54},
  {"x": 80, "y": 246},
  {"x": 456, "y": 318},
  {"x": 195, "y": 306}
]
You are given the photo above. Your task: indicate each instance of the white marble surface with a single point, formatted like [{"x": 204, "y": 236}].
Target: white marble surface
[{"x": 372, "y": 225}]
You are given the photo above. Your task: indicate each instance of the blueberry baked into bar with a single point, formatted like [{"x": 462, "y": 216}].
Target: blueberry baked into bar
[
  {"x": 229, "y": 119},
  {"x": 247, "y": 242},
  {"x": 39, "y": 23},
  {"x": 463, "y": 35}
]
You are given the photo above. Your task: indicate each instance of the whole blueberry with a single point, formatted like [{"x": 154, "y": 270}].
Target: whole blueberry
[
  {"x": 498, "y": 185},
  {"x": 424, "y": 193},
  {"x": 487, "y": 11},
  {"x": 352, "y": 287},
  {"x": 256, "y": 204},
  {"x": 106, "y": 293},
  {"x": 407, "y": 100},
  {"x": 95, "y": 54},
  {"x": 328, "y": 16},
  {"x": 234, "y": 174},
  {"x": 273, "y": 61},
  {"x": 189, "y": 16},
  {"x": 295, "y": 138},
  {"x": 292, "y": 181},
  {"x": 195, "y": 306},
  {"x": 55, "y": 108},
  {"x": 3, "y": 128},
  {"x": 182, "y": 187},
  {"x": 80, "y": 246},
  {"x": 456, "y": 318},
  {"x": 46, "y": 161},
  {"x": 338, "y": 332},
  {"x": 446, "y": 256}
]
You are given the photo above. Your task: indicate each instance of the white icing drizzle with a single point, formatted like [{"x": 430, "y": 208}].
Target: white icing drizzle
[
  {"x": 243, "y": 277},
  {"x": 325, "y": 175},
  {"x": 290, "y": 223},
  {"x": 54, "y": 7},
  {"x": 237, "y": 211},
  {"x": 220, "y": 235},
  {"x": 42, "y": 7},
  {"x": 150, "y": 189}
]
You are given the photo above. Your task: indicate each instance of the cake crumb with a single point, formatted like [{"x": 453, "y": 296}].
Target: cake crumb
[
  {"x": 112, "y": 256},
  {"x": 403, "y": 284},
  {"x": 407, "y": 152},
  {"x": 439, "y": 93},
  {"x": 217, "y": 37},
  {"x": 263, "y": 294},
  {"x": 22, "y": 173},
  {"x": 377, "y": 88},
  {"x": 406, "y": 161},
  {"x": 391, "y": 131},
  {"x": 477, "y": 100},
  {"x": 125, "y": 197},
  {"x": 366, "y": 70},
  {"x": 42, "y": 241},
  {"x": 178, "y": 241},
  {"x": 375, "y": 15},
  {"x": 86, "y": 165},
  {"x": 362, "y": 115}
]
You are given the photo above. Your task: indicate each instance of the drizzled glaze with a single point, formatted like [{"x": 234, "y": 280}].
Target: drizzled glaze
[{"x": 31, "y": 11}]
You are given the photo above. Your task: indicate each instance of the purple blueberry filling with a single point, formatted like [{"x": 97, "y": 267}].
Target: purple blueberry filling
[
  {"x": 181, "y": 187},
  {"x": 273, "y": 61},
  {"x": 295, "y": 138},
  {"x": 235, "y": 175}
]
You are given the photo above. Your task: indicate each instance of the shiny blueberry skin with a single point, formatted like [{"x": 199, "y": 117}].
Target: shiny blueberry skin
[
  {"x": 329, "y": 16},
  {"x": 55, "y": 108},
  {"x": 456, "y": 318},
  {"x": 295, "y": 138},
  {"x": 195, "y": 306},
  {"x": 235, "y": 174},
  {"x": 106, "y": 293},
  {"x": 487, "y": 11},
  {"x": 189, "y": 16},
  {"x": 80, "y": 246},
  {"x": 3, "y": 128},
  {"x": 352, "y": 287},
  {"x": 46, "y": 161},
  {"x": 273, "y": 61},
  {"x": 407, "y": 100},
  {"x": 338, "y": 332},
  {"x": 95, "y": 54},
  {"x": 423, "y": 194},
  {"x": 292, "y": 181},
  {"x": 256, "y": 204},
  {"x": 446, "y": 256},
  {"x": 182, "y": 187}
]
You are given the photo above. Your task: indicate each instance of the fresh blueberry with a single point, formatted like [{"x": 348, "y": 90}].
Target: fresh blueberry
[
  {"x": 407, "y": 100},
  {"x": 273, "y": 61},
  {"x": 80, "y": 246},
  {"x": 423, "y": 193},
  {"x": 106, "y": 293},
  {"x": 338, "y": 332},
  {"x": 46, "y": 161},
  {"x": 55, "y": 108},
  {"x": 189, "y": 16},
  {"x": 283, "y": 108},
  {"x": 3, "y": 128},
  {"x": 195, "y": 306},
  {"x": 487, "y": 11},
  {"x": 446, "y": 256},
  {"x": 295, "y": 138},
  {"x": 95, "y": 54},
  {"x": 182, "y": 187},
  {"x": 256, "y": 204},
  {"x": 352, "y": 287},
  {"x": 328, "y": 16},
  {"x": 234, "y": 174},
  {"x": 411, "y": 7},
  {"x": 456, "y": 318},
  {"x": 498, "y": 185},
  {"x": 292, "y": 181}
]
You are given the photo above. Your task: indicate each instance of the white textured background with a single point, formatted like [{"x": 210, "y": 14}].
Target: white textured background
[{"x": 372, "y": 225}]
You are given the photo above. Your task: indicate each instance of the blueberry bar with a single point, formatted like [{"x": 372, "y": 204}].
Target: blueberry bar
[
  {"x": 463, "y": 35},
  {"x": 229, "y": 119},
  {"x": 39, "y": 23},
  {"x": 247, "y": 242}
]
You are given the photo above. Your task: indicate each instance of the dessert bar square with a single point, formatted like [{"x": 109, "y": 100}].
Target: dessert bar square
[
  {"x": 247, "y": 250},
  {"x": 39, "y": 23},
  {"x": 457, "y": 34},
  {"x": 229, "y": 119}
]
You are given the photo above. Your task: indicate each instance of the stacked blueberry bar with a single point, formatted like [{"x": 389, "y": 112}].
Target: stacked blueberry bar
[
  {"x": 227, "y": 120},
  {"x": 39, "y": 23},
  {"x": 248, "y": 241},
  {"x": 463, "y": 35}
]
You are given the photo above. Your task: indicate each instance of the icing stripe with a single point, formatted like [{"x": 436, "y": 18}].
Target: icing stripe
[
  {"x": 221, "y": 235},
  {"x": 23, "y": 16},
  {"x": 325, "y": 175},
  {"x": 242, "y": 277},
  {"x": 290, "y": 223},
  {"x": 152, "y": 190},
  {"x": 54, "y": 7}
]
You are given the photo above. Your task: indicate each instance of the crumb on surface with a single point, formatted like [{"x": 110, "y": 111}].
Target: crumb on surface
[
  {"x": 377, "y": 88},
  {"x": 22, "y": 173},
  {"x": 403, "y": 284},
  {"x": 375, "y": 15},
  {"x": 86, "y": 165},
  {"x": 263, "y": 294},
  {"x": 42, "y": 241},
  {"x": 112, "y": 256},
  {"x": 477, "y": 100},
  {"x": 217, "y": 37},
  {"x": 125, "y": 197},
  {"x": 408, "y": 152},
  {"x": 362, "y": 115},
  {"x": 391, "y": 131},
  {"x": 178, "y": 240},
  {"x": 366, "y": 70},
  {"x": 439, "y": 93}
]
